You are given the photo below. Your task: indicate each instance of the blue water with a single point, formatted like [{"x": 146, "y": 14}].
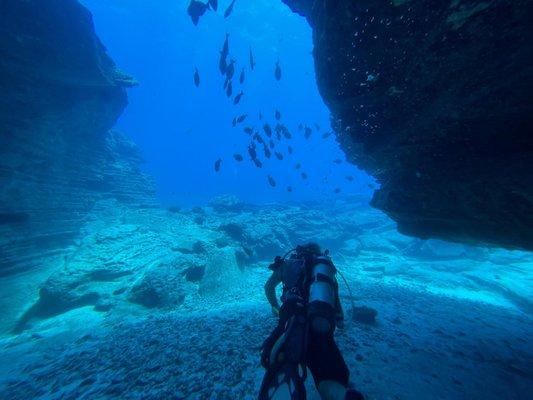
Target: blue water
[{"x": 182, "y": 130}]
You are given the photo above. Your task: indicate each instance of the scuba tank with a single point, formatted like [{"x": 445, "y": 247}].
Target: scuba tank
[{"x": 322, "y": 295}]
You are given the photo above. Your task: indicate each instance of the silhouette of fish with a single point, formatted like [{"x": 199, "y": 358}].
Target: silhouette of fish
[
  {"x": 229, "y": 10},
  {"x": 317, "y": 126},
  {"x": 278, "y": 135},
  {"x": 289, "y": 189},
  {"x": 267, "y": 129},
  {"x": 217, "y": 164},
  {"x": 271, "y": 181},
  {"x": 260, "y": 115},
  {"x": 238, "y": 98},
  {"x": 252, "y": 152},
  {"x": 308, "y": 132},
  {"x": 303, "y": 175},
  {"x": 242, "y": 76},
  {"x": 225, "y": 46},
  {"x": 298, "y": 166},
  {"x": 241, "y": 118},
  {"x": 195, "y": 10},
  {"x": 350, "y": 178},
  {"x": 337, "y": 190},
  {"x": 222, "y": 64},
  {"x": 238, "y": 157},
  {"x": 226, "y": 81},
  {"x": 326, "y": 135},
  {"x": 257, "y": 163},
  {"x": 234, "y": 122},
  {"x": 248, "y": 130},
  {"x": 213, "y": 4},
  {"x": 285, "y": 131},
  {"x": 277, "y": 71},
  {"x": 252, "y": 61},
  {"x": 279, "y": 156},
  {"x": 259, "y": 139},
  {"x": 337, "y": 161},
  {"x": 289, "y": 149},
  {"x": 278, "y": 114},
  {"x": 266, "y": 150},
  {"x": 271, "y": 144},
  {"x": 300, "y": 127},
  {"x": 230, "y": 70},
  {"x": 196, "y": 77},
  {"x": 229, "y": 89}
]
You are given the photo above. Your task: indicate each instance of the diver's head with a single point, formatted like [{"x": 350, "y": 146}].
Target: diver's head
[{"x": 308, "y": 250}]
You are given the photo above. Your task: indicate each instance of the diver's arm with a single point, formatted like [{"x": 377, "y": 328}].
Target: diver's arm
[{"x": 270, "y": 289}]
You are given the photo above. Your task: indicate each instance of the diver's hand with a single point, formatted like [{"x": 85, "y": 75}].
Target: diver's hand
[{"x": 275, "y": 311}]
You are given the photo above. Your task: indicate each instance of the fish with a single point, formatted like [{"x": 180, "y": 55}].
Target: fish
[
  {"x": 278, "y": 114},
  {"x": 271, "y": 181},
  {"x": 234, "y": 122},
  {"x": 326, "y": 135},
  {"x": 260, "y": 115},
  {"x": 230, "y": 70},
  {"x": 217, "y": 164},
  {"x": 226, "y": 81},
  {"x": 248, "y": 130},
  {"x": 271, "y": 144},
  {"x": 298, "y": 166},
  {"x": 225, "y": 46},
  {"x": 196, "y": 77},
  {"x": 337, "y": 161},
  {"x": 279, "y": 156},
  {"x": 257, "y": 163},
  {"x": 252, "y": 61},
  {"x": 242, "y": 76},
  {"x": 266, "y": 150},
  {"x": 300, "y": 127},
  {"x": 267, "y": 129},
  {"x": 238, "y": 98},
  {"x": 277, "y": 71},
  {"x": 350, "y": 178},
  {"x": 289, "y": 189},
  {"x": 252, "y": 152},
  {"x": 229, "y": 89},
  {"x": 308, "y": 132},
  {"x": 259, "y": 139},
  {"x": 285, "y": 131},
  {"x": 229, "y": 10},
  {"x": 289, "y": 149},
  {"x": 241, "y": 118},
  {"x": 303, "y": 175},
  {"x": 337, "y": 190},
  {"x": 213, "y": 4},
  {"x": 238, "y": 157},
  {"x": 317, "y": 126},
  {"x": 195, "y": 10},
  {"x": 278, "y": 136},
  {"x": 222, "y": 65}
]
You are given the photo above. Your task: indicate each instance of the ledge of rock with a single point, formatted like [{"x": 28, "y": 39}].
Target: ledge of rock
[
  {"x": 61, "y": 95},
  {"x": 434, "y": 100}
]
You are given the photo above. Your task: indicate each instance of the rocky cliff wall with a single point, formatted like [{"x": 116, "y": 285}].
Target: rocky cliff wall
[
  {"x": 61, "y": 95},
  {"x": 433, "y": 98}
]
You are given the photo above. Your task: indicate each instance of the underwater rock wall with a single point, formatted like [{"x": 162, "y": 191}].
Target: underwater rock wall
[
  {"x": 433, "y": 98},
  {"x": 61, "y": 95}
]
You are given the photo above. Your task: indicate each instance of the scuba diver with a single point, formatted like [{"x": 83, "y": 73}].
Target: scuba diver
[{"x": 304, "y": 336}]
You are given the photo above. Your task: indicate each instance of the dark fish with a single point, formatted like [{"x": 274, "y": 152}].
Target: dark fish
[
  {"x": 266, "y": 150},
  {"x": 326, "y": 135},
  {"x": 285, "y": 131},
  {"x": 230, "y": 70},
  {"x": 222, "y": 64},
  {"x": 308, "y": 132},
  {"x": 350, "y": 178},
  {"x": 271, "y": 144},
  {"x": 234, "y": 122},
  {"x": 248, "y": 130},
  {"x": 242, "y": 76},
  {"x": 304, "y": 175},
  {"x": 252, "y": 152},
  {"x": 279, "y": 156},
  {"x": 259, "y": 139},
  {"x": 257, "y": 163},
  {"x": 225, "y": 46},
  {"x": 289, "y": 189},
  {"x": 278, "y": 136},
  {"x": 238, "y": 157},
  {"x": 271, "y": 181},
  {"x": 252, "y": 61},
  {"x": 196, "y": 77},
  {"x": 337, "y": 190},
  {"x": 241, "y": 118},
  {"x": 298, "y": 166},
  {"x": 229, "y": 89},
  {"x": 226, "y": 81},
  {"x": 337, "y": 161},
  {"x": 277, "y": 71},
  {"x": 195, "y": 10},
  {"x": 213, "y": 4},
  {"x": 300, "y": 127},
  {"x": 317, "y": 126},
  {"x": 268, "y": 130},
  {"x": 229, "y": 10},
  {"x": 237, "y": 98},
  {"x": 217, "y": 164},
  {"x": 260, "y": 115},
  {"x": 278, "y": 115},
  {"x": 289, "y": 149}
]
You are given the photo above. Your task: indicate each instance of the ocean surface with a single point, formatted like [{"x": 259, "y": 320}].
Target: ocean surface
[{"x": 164, "y": 299}]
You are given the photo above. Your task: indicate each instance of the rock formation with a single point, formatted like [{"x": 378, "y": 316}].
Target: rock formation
[
  {"x": 61, "y": 95},
  {"x": 434, "y": 100}
]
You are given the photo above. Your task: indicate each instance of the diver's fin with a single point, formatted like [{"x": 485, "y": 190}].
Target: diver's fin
[{"x": 286, "y": 383}]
